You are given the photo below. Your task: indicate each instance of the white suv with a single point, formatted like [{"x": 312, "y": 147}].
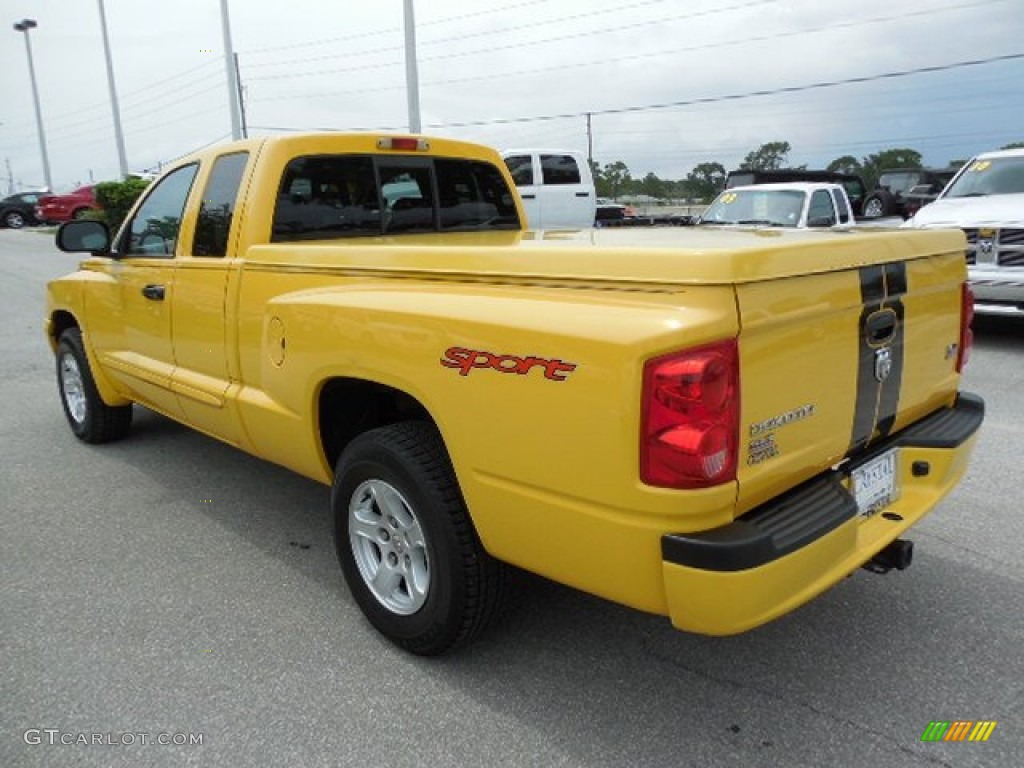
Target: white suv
[{"x": 986, "y": 200}]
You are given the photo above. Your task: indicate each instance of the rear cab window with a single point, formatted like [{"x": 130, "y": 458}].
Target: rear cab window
[{"x": 341, "y": 196}]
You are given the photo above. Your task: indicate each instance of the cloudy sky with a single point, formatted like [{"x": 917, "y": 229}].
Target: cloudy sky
[{"x": 668, "y": 83}]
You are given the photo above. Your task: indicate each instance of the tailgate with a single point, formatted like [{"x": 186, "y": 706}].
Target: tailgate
[{"x": 832, "y": 363}]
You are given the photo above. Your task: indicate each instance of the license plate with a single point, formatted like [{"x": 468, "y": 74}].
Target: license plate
[{"x": 874, "y": 484}]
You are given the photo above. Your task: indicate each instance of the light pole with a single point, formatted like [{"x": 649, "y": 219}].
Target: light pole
[
  {"x": 412, "y": 78},
  {"x": 122, "y": 159},
  {"x": 24, "y": 26},
  {"x": 234, "y": 95}
]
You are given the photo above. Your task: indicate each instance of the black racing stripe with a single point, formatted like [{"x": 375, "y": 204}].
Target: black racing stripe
[
  {"x": 895, "y": 279},
  {"x": 872, "y": 294},
  {"x": 889, "y": 399}
]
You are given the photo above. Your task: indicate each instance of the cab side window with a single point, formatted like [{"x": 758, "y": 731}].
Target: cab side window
[
  {"x": 560, "y": 169},
  {"x": 218, "y": 205},
  {"x": 842, "y": 207},
  {"x": 521, "y": 168},
  {"x": 153, "y": 231},
  {"x": 821, "y": 208}
]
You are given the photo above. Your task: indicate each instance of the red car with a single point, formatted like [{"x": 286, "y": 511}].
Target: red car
[{"x": 54, "y": 209}]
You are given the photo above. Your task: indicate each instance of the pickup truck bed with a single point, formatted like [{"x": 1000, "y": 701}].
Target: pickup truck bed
[{"x": 709, "y": 425}]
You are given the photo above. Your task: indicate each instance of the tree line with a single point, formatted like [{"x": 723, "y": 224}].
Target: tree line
[{"x": 707, "y": 179}]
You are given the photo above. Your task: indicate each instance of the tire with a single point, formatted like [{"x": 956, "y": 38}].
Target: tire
[
  {"x": 90, "y": 419},
  {"x": 878, "y": 204},
  {"x": 15, "y": 219},
  {"x": 406, "y": 544}
]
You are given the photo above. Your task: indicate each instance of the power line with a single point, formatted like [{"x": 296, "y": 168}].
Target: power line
[
  {"x": 745, "y": 95},
  {"x": 531, "y": 25},
  {"x": 827, "y": 27},
  {"x": 128, "y": 96},
  {"x": 393, "y": 30}
]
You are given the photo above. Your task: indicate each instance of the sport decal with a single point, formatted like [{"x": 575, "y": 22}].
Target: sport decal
[{"x": 468, "y": 359}]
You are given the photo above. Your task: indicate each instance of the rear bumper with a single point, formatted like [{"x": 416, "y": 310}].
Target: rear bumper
[{"x": 783, "y": 553}]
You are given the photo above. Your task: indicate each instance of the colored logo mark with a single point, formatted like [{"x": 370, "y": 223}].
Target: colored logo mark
[{"x": 958, "y": 730}]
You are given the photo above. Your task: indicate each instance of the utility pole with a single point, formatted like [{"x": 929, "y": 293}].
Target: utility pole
[
  {"x": 590, "y": 142},
  {"x": 10, "y": 176},
  {"x": 241, "y": 99},
  {"x": 412, "y": 81},
  {"x": 229, "y": 62},
  {"x": 24, "y": 26},
  {"x": 122, "y": 159}
]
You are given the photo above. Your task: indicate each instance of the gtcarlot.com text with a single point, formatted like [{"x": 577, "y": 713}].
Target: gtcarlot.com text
[{"x": 55, "y": 736}]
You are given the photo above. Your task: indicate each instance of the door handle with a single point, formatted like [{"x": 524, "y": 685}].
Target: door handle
[
  {"x": 528, "y": 197},
  {"x": 582, "y": 194},
  {"x": 154, "y": 292}
]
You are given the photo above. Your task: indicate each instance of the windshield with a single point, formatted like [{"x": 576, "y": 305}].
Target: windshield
[
  {"x": 995, "y": 176},
  {"x": 771, "y": 207}
]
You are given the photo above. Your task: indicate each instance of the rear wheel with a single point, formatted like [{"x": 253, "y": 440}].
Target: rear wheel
[
  {"x": 92, "y": 420},
  {"x": 406, "y": 544},
  {"x": 879, "y": 204}
]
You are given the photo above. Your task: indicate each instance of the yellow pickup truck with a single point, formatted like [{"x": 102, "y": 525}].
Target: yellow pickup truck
[{"x": 715, "y": 426}]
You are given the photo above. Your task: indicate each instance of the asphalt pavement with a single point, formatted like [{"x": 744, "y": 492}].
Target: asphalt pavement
[{"x": 169, "y": 588}]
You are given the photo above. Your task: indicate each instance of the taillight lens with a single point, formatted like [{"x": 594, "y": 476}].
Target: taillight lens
[
  {"x": 690, "y": 417},
  {"x": 966, "y": 334}
]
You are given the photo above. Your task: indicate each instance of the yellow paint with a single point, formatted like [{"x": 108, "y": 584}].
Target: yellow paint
[{"x": 548, "y": 468}]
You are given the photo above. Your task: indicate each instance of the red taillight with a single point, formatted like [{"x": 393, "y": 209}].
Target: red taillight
[
  {"x": 690, "y": 416},
  {"x": 966, "y": 334},
  {"x": 403, "y": 143}
]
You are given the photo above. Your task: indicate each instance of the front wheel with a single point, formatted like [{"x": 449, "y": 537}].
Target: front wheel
[
  {"x": 92, "y": 420},
  {"x": 406, "y": 544}
]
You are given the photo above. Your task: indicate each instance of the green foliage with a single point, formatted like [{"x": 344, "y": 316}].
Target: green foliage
[
  {"x": 767, "y": 157},
  {"x": 116, "y": 199},
  {"x": 844, "y": 164},
  {"x": 653, "y": 186},
  {"x": 888, "y": 159},
  {"x": 1014, "y": 145},
  {"x": 705, "y": 181},
  {"x": 612, "y": 180}
]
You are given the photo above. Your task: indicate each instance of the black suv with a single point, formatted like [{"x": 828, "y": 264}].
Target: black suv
[
  {"x": 902, "y": 191},
  {"x": 18, "y": 210}
]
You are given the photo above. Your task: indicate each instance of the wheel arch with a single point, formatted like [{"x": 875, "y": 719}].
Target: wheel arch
[
  {"x": 347, "y": 407},
  {"x": 60, "y": 320}
]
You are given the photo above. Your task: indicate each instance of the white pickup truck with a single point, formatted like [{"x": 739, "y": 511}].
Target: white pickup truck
[
  {"x": 986, "y": 200},
  {"x": 785, "y": 204},
  {"x": 555, "y": 185}
]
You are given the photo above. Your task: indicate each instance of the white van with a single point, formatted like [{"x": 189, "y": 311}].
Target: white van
[{"x": 556, "y": 186}]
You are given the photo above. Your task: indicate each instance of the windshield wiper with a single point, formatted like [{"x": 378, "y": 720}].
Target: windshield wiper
[{"x": 766, "y": 222}]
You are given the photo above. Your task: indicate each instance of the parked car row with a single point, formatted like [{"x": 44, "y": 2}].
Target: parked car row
[
  {"x": 26, "y": 209},
  {"x": 17, "y": 211}
]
